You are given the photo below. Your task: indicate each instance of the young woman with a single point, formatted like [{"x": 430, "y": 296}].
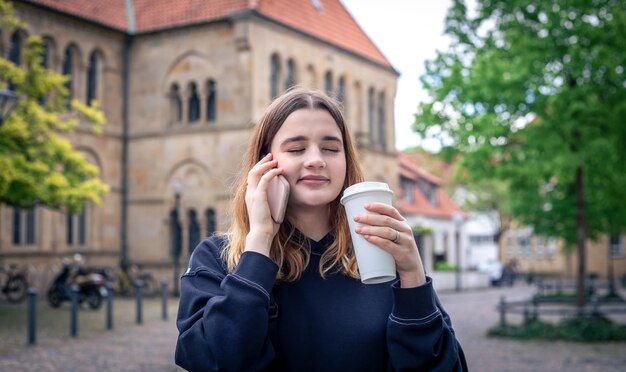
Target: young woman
[{"x": 288, "y": 297}]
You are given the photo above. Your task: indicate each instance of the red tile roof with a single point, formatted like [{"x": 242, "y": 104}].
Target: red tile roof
[
  {"x": 412, "y": 170},
  {"x": 420, "y": 205},
  {"x": 333, "y": 24},
  {"x": 154, "y": 15},
  {"x": 111, "y": 13}
]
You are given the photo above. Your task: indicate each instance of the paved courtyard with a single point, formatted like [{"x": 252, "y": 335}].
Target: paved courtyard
[
  {"x": 150, "y": 346},
  {"x": 474, "y": 312}
]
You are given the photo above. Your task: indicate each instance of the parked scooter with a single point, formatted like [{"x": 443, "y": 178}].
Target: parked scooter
[{"x": 91, "y": 287}]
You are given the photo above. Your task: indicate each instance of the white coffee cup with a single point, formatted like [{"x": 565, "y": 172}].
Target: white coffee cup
[{"x": 375, "y": 265}]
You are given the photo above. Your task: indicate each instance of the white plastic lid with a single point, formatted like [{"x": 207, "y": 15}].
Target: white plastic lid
[{"x": 361, "y": 187}]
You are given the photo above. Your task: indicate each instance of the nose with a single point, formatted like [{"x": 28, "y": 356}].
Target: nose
[{"x": 314, "y": 159}]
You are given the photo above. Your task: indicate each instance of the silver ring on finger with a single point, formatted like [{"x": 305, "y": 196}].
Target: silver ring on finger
[{"x": 395, "y": 240}]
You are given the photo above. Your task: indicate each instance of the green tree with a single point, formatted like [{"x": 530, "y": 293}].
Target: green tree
[
  {"x": 487, "y": 196},
  {"x": 533, "y": 94},
  {"x": 38, "y": 163}
]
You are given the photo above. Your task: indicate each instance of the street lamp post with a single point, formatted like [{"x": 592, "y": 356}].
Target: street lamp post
[
  {"x": 176, "y": 235},
  {"x": 8, "y": 101},
  {"x": 457, "y": 218}
]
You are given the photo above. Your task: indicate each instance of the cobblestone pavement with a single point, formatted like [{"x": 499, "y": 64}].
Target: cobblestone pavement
[
  {"x": 473, "y": 313},
  {"x": 145, "y": 347},
  {"x": 128, "y": 347},
  {"x": 150, "y": 346}
]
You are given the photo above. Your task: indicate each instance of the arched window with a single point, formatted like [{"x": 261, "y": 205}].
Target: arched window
[
  {"x": 370, "y": 116},
  {"x": 274, "y": 76},
  {"x": 290, "y": 77},
  {"x": 68, "y": 71},
  {"x": 341, "y": 94},
  {"x": 176, "y": 234},
  {"x": 193, "y": 230},
  {"x": 46, "y": 54},
  {"x": 30, "y": 225},
  {"x": 76, "y": 228},
  {"x": 69, "y": 229},
  {"x": 211, "y": 100},
  {"x": 312, "y": 80},
  {"x": 194, "y": 103},
  {"x": 328, "y": 83},
  {"x": 176, "y": 104},
  {"x": 381, "y": 121},
  {"x": 17, "y": 226},
  {"x": 82, "y": 227},
  {"x": 211, "y": 226},
  {"x": 358, "y": 105},
  {"x": 46, "y": 57},
  {"x": 15, "y": 51},
  {"x": 92, "y": 77},
  {"x": 24, "y": 226}
]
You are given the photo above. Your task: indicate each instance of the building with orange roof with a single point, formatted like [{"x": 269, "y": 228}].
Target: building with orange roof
[
  {"x": 181, "y": 84},
  {"x": 446, "y": 234},
  {"x": 425, "y": 205}
]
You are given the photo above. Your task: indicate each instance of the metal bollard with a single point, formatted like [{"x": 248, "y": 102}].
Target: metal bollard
[
  {"x": 594, "y": 305},
  {"x": 74, "y": 312},
  {"x": 32, "y": 316},
  {"x": 139, "y": 300},
  {"x": 164, "y": 298},
  {"x": 526, "y": 315},
  {"x": 502, "y": 308},
  {"x": 109, "y": 315}
]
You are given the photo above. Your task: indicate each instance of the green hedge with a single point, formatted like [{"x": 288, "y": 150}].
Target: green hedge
[
  {"x": 581, "y": 329},
  {"x": 444, "y": 266}
]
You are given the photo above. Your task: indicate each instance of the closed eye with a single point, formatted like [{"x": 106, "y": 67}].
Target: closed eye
[
  {"x": 296, "y": 150},
  {"x": 330, "y": 149}
]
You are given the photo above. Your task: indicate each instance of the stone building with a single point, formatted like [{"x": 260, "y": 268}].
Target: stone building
[
  {"x": 181, "y": 84},
  {"x": 547, "y": 256}
]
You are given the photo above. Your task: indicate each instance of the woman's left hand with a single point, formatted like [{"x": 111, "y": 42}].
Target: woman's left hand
[{"x": 385, "y": 227}]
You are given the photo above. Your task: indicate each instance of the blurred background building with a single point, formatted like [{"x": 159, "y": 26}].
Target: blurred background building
[{"x": 181, "y": 84}]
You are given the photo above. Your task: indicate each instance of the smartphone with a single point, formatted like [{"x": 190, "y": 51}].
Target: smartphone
[{"x": 277, "y": 197}]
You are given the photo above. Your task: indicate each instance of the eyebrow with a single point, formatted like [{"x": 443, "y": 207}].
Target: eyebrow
[{"x": 303, "y": 138}]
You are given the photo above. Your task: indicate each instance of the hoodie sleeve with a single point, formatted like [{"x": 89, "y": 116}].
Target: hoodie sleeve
[
  {"x": 419, "y": 332},
  {"x": 223, "y": 317}
]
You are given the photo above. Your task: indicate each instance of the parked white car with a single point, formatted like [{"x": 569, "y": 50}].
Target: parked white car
[{"x": 494, "y": 269}]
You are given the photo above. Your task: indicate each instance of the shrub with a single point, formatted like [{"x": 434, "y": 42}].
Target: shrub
[
  {"x": 581, "y": 329},
  {"x": 444, "y": 266}
]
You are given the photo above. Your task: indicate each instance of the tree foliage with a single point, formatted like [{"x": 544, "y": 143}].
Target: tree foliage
[
  {"x": 529, "y": 92},
  {"x": 38, "y": 163}
]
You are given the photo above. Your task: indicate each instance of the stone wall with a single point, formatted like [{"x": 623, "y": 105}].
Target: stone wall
[{"x": 204, "y": 155}]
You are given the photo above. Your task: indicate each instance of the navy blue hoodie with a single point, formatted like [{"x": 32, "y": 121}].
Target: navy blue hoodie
[{"x": 243, "y": 321}]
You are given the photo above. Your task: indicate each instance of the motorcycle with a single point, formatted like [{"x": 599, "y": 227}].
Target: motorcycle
[
  {"x": 91, "y": 287},
  {"x": 14, "y": 285}
]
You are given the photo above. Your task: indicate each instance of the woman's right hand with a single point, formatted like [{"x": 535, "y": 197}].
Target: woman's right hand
[{"x": 262, "y": 226}]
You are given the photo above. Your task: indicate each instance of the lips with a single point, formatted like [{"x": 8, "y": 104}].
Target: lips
[{"x": 313, "y": 179}]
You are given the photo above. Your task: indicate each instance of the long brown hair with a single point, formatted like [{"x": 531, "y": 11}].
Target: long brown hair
[{"x": 289, "y": 254}]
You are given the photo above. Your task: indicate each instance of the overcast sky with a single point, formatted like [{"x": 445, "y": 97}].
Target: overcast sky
[{"x": 407, "y": 32}]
